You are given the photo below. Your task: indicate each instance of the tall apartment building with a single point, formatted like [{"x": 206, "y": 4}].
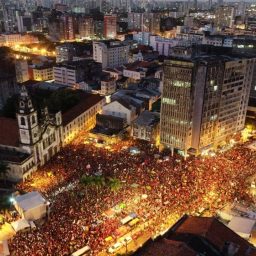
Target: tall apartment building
[
  {"x": 145, "y": 22},
  {"x": 110, "y": 53},
  {"x": 204, "y": 100},
  {"x": 86, "y": 27},
  {"x": 224, "y": 16},
  {"x": 24, "y": 22},
  {"x": 110, "y": 26},
  {"x": 135, "y": 20},
  {"x": 62, "y": 26}
]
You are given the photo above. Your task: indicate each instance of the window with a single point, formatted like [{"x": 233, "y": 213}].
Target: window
[
  {"x": 33, "y": 119},
  {"x": 169, "y": 101},
  {"x": 22, "y": 121}
]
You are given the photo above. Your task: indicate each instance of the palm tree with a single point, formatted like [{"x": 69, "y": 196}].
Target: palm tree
[
  {"x": 4, "y": 168},
  {"x": 114, "y": 184},
  {"x": 99, "y": 181}
]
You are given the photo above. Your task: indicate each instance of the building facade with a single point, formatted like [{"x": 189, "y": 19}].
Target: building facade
[
  {"x": 86, "y": 27},
  {"x": 21, "y": 68},
  {"x": 204, "y": 101},
  {"x": 64, "y": 53},
  {"x": 43, "y": 73},
  {"x": 110, "y": 53},
  {"x": 224, "y": 17},
  {"x": 110, "y": 26},
  {"x": 32, "y": 142}
]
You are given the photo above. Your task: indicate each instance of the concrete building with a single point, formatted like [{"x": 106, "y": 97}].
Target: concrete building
[
  {"x": 107, "y": 86},
  {"x": 145, "y": 22},
  {"x": 17, "y": 39},
  {"x": 142, "y": 37},
  {"x": 21, "y": 68},
  {"x": 110, "y": 26},
  {"x": 24, "y": 22},
  {"x": 224, "y": 17},
  {"x": 135, "y": 21},
  {"x": 204, "y": 100},
  {"x": 43, "y": 73},
  {"x": 120, "y": 108},
  {"x": 74, "y": 72},
  {"x": 136, "y": 71},
  {"x": 64, "y": 52},
  {"x": 162, "y": 45},
  {"x": 82, "y": 116},
  {"x": 86, "y": 27},
  {"x": 111, "y": 53},
  {"x": 146, "y": 126}
]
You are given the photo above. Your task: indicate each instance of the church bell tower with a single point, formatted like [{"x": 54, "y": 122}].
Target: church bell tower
[{"x": 27, "y": 119}]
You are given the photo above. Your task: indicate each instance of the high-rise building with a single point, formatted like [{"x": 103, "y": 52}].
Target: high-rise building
[
  {"x": 204, "y": 99},
  {"x": 62, "y": 26},
  {"x": 24, "y": 22},
  {"x": 210, "y": 4},
  {"x": 135, "y": 21},
  {"x": 86, "y": 27},
  {"x": 195, "y": 4},
  {"x": 224, "y": 16},
  {"x": 110, "y": 26}
]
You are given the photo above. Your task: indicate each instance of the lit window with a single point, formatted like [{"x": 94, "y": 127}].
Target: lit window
[
  {"x": 169, "y": 101},
  {"x": 178, "y": 83},
  {"x": 215, "y": 88}
]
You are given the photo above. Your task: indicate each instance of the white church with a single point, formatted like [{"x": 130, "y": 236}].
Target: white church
[{"x": 27, "y": 143}]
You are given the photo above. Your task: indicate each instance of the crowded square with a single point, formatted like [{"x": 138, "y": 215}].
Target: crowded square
[{"x": 93, "y": 187}]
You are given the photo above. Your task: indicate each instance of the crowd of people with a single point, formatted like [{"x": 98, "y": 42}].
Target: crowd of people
[{"x": 171, "y": 185}]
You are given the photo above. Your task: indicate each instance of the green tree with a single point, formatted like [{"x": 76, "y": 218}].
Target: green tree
[
  {"x": 114, "y": 184},
  {"x": 99, "y": 182}
]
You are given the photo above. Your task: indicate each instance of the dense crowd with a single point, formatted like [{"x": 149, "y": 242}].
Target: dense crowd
[{"x": 172, "y": 185}]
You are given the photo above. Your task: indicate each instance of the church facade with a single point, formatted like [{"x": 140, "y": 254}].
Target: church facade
[{"x": 27, "y": 142}]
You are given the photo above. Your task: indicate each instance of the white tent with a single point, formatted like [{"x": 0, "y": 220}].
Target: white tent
[
  {"x": 31, "y": 206},
  {"x": 242, "y": 226},
  {"x": 20, "y": 225},
  {"x": 4, "y": 250}
]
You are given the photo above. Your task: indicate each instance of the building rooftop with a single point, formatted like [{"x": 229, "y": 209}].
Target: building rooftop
[
  {"x": 29, "y": 200},
  {"x": 215, "y": 232},
  {"x": 9, "y": 132},
  {"x": 147, "y": 118},
  {"x": 87, "y": 101},
  {"x": 198, "y": 235},
  {"x": 49, "y": 86},
  {"x": 13, "y": 156},
  {"x": 168, "y": 248}
]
